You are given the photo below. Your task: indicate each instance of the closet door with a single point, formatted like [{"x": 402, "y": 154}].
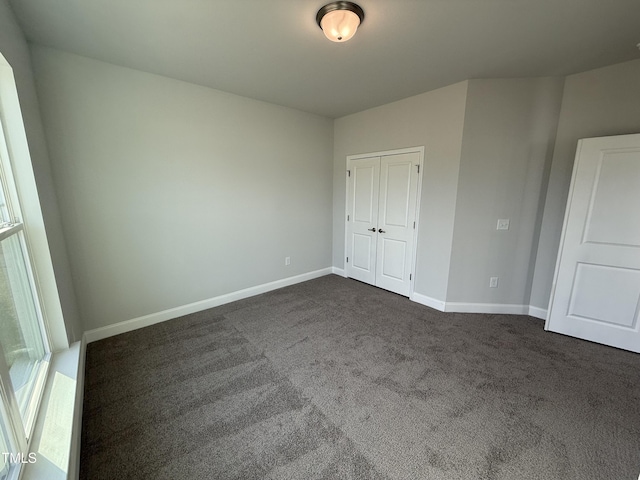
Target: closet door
[
  {"x": 362, "y": 211},
  {"x": 597, "y": 287},
  {"x": 396, "y": 220},
  {"x": 381, "y": 215}
]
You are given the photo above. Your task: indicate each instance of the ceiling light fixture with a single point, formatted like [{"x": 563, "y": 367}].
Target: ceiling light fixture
[{"x": 340, "y": 20}]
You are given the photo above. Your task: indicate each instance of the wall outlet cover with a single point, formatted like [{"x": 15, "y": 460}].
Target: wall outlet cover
[{"x": 503, "y": 224}]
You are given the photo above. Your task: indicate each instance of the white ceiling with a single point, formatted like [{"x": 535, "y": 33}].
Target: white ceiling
[{"x": 273, "y": 50}]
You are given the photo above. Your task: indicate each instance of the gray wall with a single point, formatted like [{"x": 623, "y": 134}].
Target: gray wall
[
  {"x": 173, "y": 193},
  {"x": 507, "y": 146},
  {"x": 434, "y": 119},
  {"x": 14, "y": 48},
  {"x": 597, "y": 103}
]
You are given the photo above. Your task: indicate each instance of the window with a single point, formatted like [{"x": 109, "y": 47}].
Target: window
[
  {"x": 21, "y": 343},
  {"x": 24, "y": 348},
  {"x": 6, "y": 450}
]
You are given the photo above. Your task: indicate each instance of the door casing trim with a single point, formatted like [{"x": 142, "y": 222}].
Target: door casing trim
[{"x": 386, "y": 153}]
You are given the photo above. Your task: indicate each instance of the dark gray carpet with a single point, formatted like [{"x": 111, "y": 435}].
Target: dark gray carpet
[{"x": 334, "y": 379}]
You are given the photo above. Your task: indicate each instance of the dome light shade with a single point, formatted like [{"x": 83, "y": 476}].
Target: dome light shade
[{"x": 340, "y": 20}]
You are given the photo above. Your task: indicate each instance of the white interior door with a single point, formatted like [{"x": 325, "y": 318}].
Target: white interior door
[
  {"x": 363, "y": 217},
  {"x": 381, "y": 219},
  {"x": 396, "y": 217},
  {"x": 597, "y": 285}
]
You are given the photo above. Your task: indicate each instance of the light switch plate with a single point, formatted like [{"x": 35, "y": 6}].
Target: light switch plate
[{"x": 503, "y": 224}]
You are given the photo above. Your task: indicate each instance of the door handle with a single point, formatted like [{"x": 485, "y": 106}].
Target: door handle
[
  {"x": 371, "y": 229},
  {"x": 381, "y": 230}
]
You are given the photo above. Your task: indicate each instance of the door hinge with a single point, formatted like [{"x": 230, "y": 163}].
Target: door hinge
[
  {"x": 418, "y": 168},
  {"x": 347, "y": 259},
  {"x": 414, "y": 225},
  {"x": 347, "y": 218},
  {"x": 349, "y": 172},
  {"x": 410, "y": 277}
]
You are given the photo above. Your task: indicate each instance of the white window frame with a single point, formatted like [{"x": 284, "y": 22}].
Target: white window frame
[
  {"x": 23, "y": 203},
  {"x": 31, "y": 289},
  {"x": 27, "y": 195}
]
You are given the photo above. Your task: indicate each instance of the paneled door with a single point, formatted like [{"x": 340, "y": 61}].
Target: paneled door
[
  {"x": 596, "y": 294},
  {"x": 381, "y": 219},
  {"x": 362, "y": 219}
]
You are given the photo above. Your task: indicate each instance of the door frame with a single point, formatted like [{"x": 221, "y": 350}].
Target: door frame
[{"x": 386, "y": 153}]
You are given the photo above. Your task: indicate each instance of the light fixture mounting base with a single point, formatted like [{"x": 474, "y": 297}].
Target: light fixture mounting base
[{"x": 330, "y": 7}]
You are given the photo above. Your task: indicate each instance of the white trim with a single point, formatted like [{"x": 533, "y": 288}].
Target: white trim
[
  {"x": 416, "y": 228},
  {"x": 505, "y": 308},
  {"x": 386, "y": 153},
  {"x": 19, "y": 170},
  {"x": 346, "y": 223},
  {"x": 498, "y": 308},
  {"x": 76, "y": 432},
  {"x": 67, "y": 365},
  {"x": 339, "y": 271},
  {"x": 428, "y": 301},
  {"x": 538, "y": 312},
  {"x": 153, "y": 318},
  {"x": 414, "y": 254}
]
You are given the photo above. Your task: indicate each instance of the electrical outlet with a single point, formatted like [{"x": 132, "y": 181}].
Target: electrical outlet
[
  {"x": 493, "y": 282},
  {"x": 287, "y": 261},
  {"x": 503, "y": 224}
]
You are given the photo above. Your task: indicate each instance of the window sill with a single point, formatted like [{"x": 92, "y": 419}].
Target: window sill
[{"x": 56, "y": 437}]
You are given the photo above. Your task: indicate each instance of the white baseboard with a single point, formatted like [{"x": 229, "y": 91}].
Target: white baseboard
[
  {"x": 339, "y": 271},
  {"x": 460, "y": 307},
  {"x": 152, "y": 319},
  {"x": 538, "y": 312},
  {"x": 428, "y": 301},
  {"x": 510, "y": 309}
]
